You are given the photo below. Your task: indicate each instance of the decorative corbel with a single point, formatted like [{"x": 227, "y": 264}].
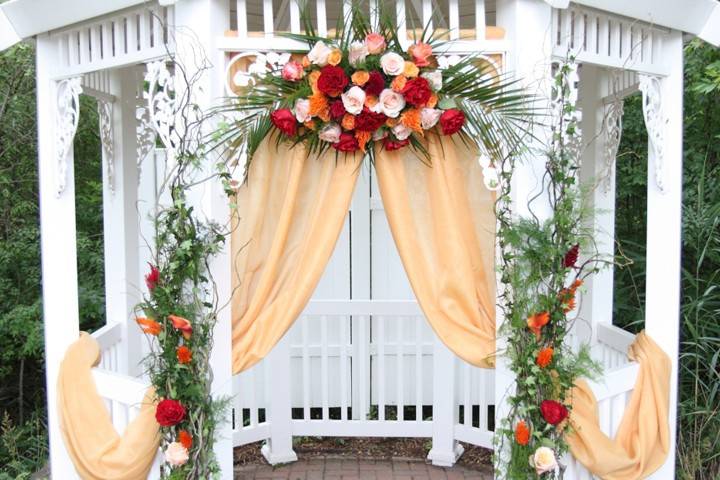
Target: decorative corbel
[
  {"x": 105, "y": 115},
  {"x": 614, "y": 110},
  {"x": 655, "y": 123},
  {"x": 160, "y": 97},
  {"x": 66, "y": 123}
]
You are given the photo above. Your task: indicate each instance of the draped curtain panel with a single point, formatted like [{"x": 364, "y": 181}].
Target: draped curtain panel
[
  {"x": 443, "y": 222},
  {"x": 291, "y": 212},
  {"x": 642, "y": 441},
  {"x": 96, "y": 449}
]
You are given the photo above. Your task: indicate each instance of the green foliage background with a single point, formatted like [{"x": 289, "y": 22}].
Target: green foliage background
[{"x": 22, "y": 380}]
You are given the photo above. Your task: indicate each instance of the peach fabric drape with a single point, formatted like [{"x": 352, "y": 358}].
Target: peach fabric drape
[
  {"x": 443, "y": 222},
  {"x": 642, "y": 441},
  {"x": 96, "y": 449},
  {"x": 292, "y": 209}
]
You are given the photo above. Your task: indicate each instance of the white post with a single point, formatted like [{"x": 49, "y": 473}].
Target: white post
[
  {"x": 445, "y": 449},
  {"x": 58, "y": 246},
  {"x": 122, "y": 292},
  {"x": 278, "y": 448},
  {"x": 664, "y": 225}
]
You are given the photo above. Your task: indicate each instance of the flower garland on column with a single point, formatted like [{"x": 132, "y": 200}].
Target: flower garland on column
[{"x": 541, "y": 276}]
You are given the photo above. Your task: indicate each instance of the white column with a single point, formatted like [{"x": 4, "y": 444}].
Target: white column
[
  {"x": 122, "y": 291},
  {"x": 664, "y": 224},
  {"x": 58, "y": 249},
  {"x": 445, "y": 449}
]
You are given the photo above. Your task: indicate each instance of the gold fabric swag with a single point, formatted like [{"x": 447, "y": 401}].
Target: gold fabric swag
[
  {"x": 95, "y": 448},
  {"x": 292, "y": 210}
]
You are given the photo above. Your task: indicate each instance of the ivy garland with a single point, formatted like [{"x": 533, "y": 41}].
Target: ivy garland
[{"x": 541, "y": 275}]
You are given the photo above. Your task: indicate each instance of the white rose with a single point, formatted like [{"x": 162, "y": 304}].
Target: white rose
[
  {"x": 434, "y": 78},
  {"x": 319, "y": 54},
  {"x": 302, "y": 110},
  {"x": 391, "y": 103},
  {"x": 357, "y": 53},
  {"x": 392, "y": 63},
  {"x": 544, "y": 460},
  {"x": 429, "y": 117},
  {"x": 176, "y": 454},
  {"x": 353, "y": 100},
  {"x": 401, "y": 132},
  {"x": 330, "y": 133}
]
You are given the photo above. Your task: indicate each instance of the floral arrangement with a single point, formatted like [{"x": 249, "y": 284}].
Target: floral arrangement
[
  {"x": 364, "y": 89},
  {"x": 542, "y": 274}
]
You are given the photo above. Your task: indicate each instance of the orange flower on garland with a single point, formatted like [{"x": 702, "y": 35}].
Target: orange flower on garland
[
  {"x": 184, "y": 355},
  {"x": 360, "y": 78},
  {"x": 348, "y": 122},
  {"x": 149, "y": 326},
  {"x": 537, "y": 321},
  {"x": 411, "y": 119},
  {"x": 544, "y": 357},
  {"x": 363, "y": 138},
  {"x": 182, "y": 324},
  {"x": 522, "y": 433},
  {"x": 185, "y": 438},
  {"x": 398, "y": 83},
  {"x": 319, "y": 105}
]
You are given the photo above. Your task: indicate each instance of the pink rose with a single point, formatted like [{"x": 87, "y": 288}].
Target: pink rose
[
  {"x": 375, "y": 43},
  {"x": 176, "y": 454},
  {"x": 292, "y": 71},
  {"x": 353, "y": 100},
  {"x": 420, "y": 52},
  {"x": 392, "y": 64},
  {"x": 357, "y": 53},
  {"x": 429, "y": 117},
  {"x": 302, "y": 110},
  {"x": 390, "y": 103},
  {"x": 544, "y": 460}
]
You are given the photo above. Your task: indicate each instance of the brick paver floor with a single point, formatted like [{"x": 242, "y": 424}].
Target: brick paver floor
[{"x": 334, "y": 468}]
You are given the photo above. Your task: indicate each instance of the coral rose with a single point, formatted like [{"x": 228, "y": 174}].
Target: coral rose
[
  {"x": 153, "y": 278},
  {"x": 332, "y": 80},
  {"x": 375, "y": 83},
  {"x": 544, "y": 460},
  {"x": 169, "y": 412},
  {"x": 420, "y": 53},
  {"x": 184, "y": 355},
  {"x": 544, "y": 357},
  {"x": 176, "y": 454},
  {"x": 417, "y": 92},
  {"x": 346, "y": 143},
  {"x": 292, "y": 71},
  {"x": 522, "y": 433},
  {"x": 284, "y": 120},
  {"x": 451, "y": 121},
  {"x": 553, "y": 412},
  {"x": 375, "y": 43}
]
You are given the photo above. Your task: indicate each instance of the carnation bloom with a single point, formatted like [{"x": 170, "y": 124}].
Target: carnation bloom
[
  {"x": 184, "y": 354},
  {"x": 332, "y": 80},
  {"x": 522, "y": 433},
  {"x": 169, "y": 412},
  {"x": 544, "y": 460},
  {"x": 375, "y": 84},
  {"x": 319, "y": 54},
  {"x": 411, "y": 119},
  {"x": 284, "y": 120},
  {"x": 176, "y": 454},
  {"x": 182, "y": 324},
  {"x": 375, "y": 43},
  {"x": 553, "y": 412},
  {"x": 354, "y": 100},
  {"x": 149, "y": 326},
  {"x": 537, "y": 321},
  {"x": 346, "y": 143},
  {"x": 392, "y": 64},
  {"x": 544, "y": 357},
  {"x": 451, "y": 121}
]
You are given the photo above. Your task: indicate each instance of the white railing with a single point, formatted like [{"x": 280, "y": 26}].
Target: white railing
[
  {"x": 607, "y": 39},
  {"x": 110, "y": 339}
]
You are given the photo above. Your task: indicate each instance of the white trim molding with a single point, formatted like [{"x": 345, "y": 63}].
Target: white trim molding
[
  {"x": 66, "y": 123},
  {"x": 655, "y": 123}
]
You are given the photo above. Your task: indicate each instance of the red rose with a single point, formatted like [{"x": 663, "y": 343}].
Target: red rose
[
  {"x": 169, "y": 413},
  {"x": 368, "y": 121},
  {"x": 152, "y": 278},
  {"x": 451, "y": 121},
  {"x": 417, "y": 92},
  {"x": 337, "y": 110},
  {"x": 347, "y": 143},
  {"x": 332, "y": 80},
  {"x": 571, "y": 256},
  {"x": 553, "y": 412},
  {"x": 391, "y": 145},
  {"x": 285, "y": 121},
  {"x": 375, "y": 84}
]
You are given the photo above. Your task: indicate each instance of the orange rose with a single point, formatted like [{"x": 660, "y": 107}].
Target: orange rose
[
  {"x": 185, "y": 438},
  {"x": 313, "y": 79},
  {"x": 544, "y": 357},
  {"x": 411, "y": 70},
  {"x": 420, "y": 53},
  {"x": 360, "y": 78},
  {"x": 522, "y": 433},
  {"x": 182, "y": 324},
  {"x": 370, "y": 101},
  {"x": 537, "y": 321},
  {"x": 184, "y": 355},
  {"x": 149, "y": 326},
  {"x": 305, "y": 61},
  {"x": 335, "y": 57},
  {"x": 348, "y": 122},
  {"x": 398, "y": 83},
  {"x": 433, "y": 101}
]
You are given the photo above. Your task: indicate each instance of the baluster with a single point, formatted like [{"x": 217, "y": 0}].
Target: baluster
[
  {"x": 626, "y": 43},
  {"x": 324, "y": 367},
  {"x": 363, "y": 359},
  {"x": 401, "y": 19},
  {"x": 158, "y": 36},
  {"x": 480, "y": 19},
  {"x": 483, "y": 375},
  {"x": 400, "y": 381},
  {"x": 84, "y": 46},
  {"x": 344, "y": 341},
  {"x": 241, "y": 16},
  {"x": 373, "y": 4},
  {"x": 418, "y": 368},
  {"x": 95, "y": 49},
  {"x": 253, "y": 397},
  {"x": 604, "y": 36},
  {"x": 380, "y": 343},
  {"x": 305, "y": 368},
  {"x": 615, "y": 39},
  {"x": 107, "y": 41},
  {"x": 454, "y": 19},
  {"x": 239, "y": 419},
  {"x": 321, "y": 18},
  {"x": 467, "y": 410},
  {"x": 592, "y": 34},
  {"x": 294, "y": 17},
  {"x": 268, "y": 18},
  {"x": 427, "y": 10},
  {"x": 144, "y": 20}
]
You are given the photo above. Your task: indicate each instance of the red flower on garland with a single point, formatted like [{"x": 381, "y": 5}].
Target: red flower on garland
[
  {"x": 153, "y": 278},
  {"x": 169, "y": 412},
  {"x": 553, "y": 412},
  {"x": 285, "y": 121},
  {"x": 571, "y": 256},
  {"x": 184, "y": 354},
  {"x": 391, "y": 145},
  {"x": 337, "y": 109},
  {"x": 417, "y": 92},
  {"x": 347, "y": 143},
  {"x": 522, "y": 433},
  {"x": 375, "y": 84},
  {"x": 451, "y": 121},
  {"x": 185, "y": 438},
  {"x": 332, "y": 80},
  {"x": 368, "y": 121}
]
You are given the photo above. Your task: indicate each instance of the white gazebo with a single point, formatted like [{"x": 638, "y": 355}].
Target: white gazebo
[{"x": 362, "y": 344}]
